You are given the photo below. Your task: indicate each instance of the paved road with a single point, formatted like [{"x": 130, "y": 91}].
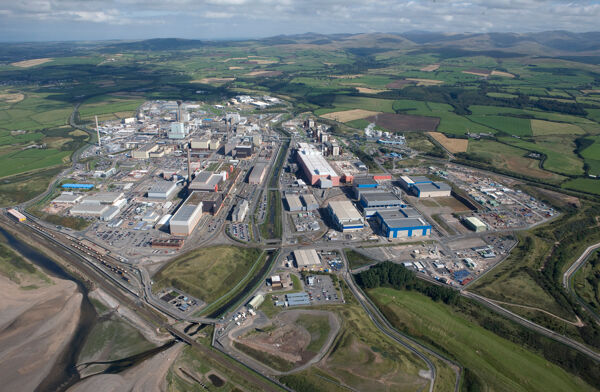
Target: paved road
[{"x": 580, "y": 262}]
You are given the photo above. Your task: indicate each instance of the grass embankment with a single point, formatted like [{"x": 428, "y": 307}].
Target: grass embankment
[
  {"x": 19, "y": 270},
  {"x": 271, "y": 228},
  {"x": 357, "y": 260},
  {"x": 586, "y": 282},
  {"x": 318, "y": 327},
  {"x": 272, "y": 361},
  {"x": 492, "y": 363},
  {"x": 207, "y": 273}
]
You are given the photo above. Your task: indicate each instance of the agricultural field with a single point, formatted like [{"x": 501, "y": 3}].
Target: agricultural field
[
  {"x": 207, "y": 273},
  {"x": 451, "y": 144},
  {"x": 511, "y": 158},
  {"x": 543, "y": 128},
  {"x": 495, "y": 363},
  {"x": 590, "y": 185}
]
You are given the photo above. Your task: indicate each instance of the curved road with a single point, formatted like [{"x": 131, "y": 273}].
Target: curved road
[{"x": 567, "y": 276}]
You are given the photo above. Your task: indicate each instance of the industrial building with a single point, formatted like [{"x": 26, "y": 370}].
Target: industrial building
[
  {"x": 293, "y": 202},
  {"x": 240, "y": 211},
  {"x": 258, "y": 174},
  {"x": 200, "y": 144},
  {"x": 177, "y": 131},
  {"x": 475, "y": 224},
  {"x": 345, "y": 216},
  {"x": 16, "y": 215},
  {"x": 402, "y": 223},
  {"x": 310, "y": 202},
  {"x": 315, "y": 166},
  {"x": 256, "y": 301},
  {"x": 371, "y": 202},
  {"x": 78, "y": 186},
  {"x": 211, "y": 201},
  {"x": 422, "y": 187},
  {"x": 89, "y": 209},
  {"x": 363, "y": 184},
  {"x": 307, "y": 259},
  {"x": 111, "y": 213},
  {"x": 243, "y": 151},
  {"x": 162, "y": 190},
  {"x": 297, "y": 299},
  {"x": 144, "y": 151},
  {"x": 186, "y": 218},
  {"x": 103, "y": 198},
  {"x": 164, "y": 221},
  {"x": 207, "y": 182},
  {"x": 67, "y": 198}
]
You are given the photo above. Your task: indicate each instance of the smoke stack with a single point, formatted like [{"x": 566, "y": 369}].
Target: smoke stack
[
  {"x": 98, "y": 132},
  {"x": 179, "y": 115},
  {"x": 189, "y": 164}
]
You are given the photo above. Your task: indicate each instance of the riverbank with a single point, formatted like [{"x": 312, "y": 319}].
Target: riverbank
[{"x": 36, "y": 326}]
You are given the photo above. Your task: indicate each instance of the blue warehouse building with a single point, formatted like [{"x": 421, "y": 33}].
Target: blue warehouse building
[
  {"x": 363, "y": 184},
  {"x": 421, "y": 187},
  {"x": 371, "y": 202},
  {"x": 402, "y": 223},
  {"x": 78, "y": 186}
]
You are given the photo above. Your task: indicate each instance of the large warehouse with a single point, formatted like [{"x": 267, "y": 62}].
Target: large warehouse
[
  {"x": 258, "y": 173},
  {"x": 162, "y": 190},
  {"x": 401, "y": 223},
  {"x": 103, "y": 198},
  {"x": 363, "y": 184},
  {"x": 206, "y": 181},
  {"x": 293, "y": 202},
  {"x": 187, "y": 216},
  {"x": 421, "y": 187},
  {"x": 345, "y": 216},
  {"x": 307, "y": 258},
  {"x": 315, "y": 166},
  {"x": 371, "y": 202},
  {"x": 211, "y": 201}
]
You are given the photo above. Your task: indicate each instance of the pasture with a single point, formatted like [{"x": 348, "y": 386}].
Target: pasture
[
  {"x": 207, "y": 273},
  {"x": 497, "y": 363}
]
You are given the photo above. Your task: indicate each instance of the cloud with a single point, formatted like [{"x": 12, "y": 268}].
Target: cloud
[{"x": 55, "y": 19}]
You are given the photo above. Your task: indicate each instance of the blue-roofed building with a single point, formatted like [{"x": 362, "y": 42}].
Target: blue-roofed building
[
  {"x": 402, "y": 223},
  {"x": 78, "y": 186}
]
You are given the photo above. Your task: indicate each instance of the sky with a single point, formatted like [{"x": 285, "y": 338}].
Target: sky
[{"x": 59, "y": 20}]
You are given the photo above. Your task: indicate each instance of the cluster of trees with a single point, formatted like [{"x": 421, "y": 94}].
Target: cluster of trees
[{"x": 393, "y": 275}]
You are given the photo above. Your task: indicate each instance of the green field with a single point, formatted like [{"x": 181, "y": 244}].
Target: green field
[
  {"x": 510, "y": 158},
  {"x": 497, "y": 364},
  {"x": 590, "y": 185},
  {"x": 543, "y": 128},
  {"x": 357, "y": 260},
  {"x": 207, "y": 273}
]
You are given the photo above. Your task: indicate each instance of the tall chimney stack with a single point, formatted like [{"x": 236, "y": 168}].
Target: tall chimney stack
[
  {"x": 189, "y": 163},
  {"x": 98, "y": 132},
  {"x": 179, "y": 115}
]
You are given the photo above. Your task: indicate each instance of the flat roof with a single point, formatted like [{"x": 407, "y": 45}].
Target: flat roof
[
  {"x": 315, "y": 162},
  {"x": 476, "y": 221},
  {"x": 306, "y": 257},
  {"x": 309, "y": 199},
  {"x": 103, "y": 197},
  {"x": 345, "y": 210},
  {"x": 91, "y": 208},
  {"x": 433, "y": 187},
  {"x": 293, "y": 201},
  {"x": 380, "y": 196},
  {"x": 392, "y": 213},
  {"x": 400, "y": 221},
  {"x": 364, "y": 181},
  {"x": 162, "y": 186},
  {"x": 420, "y": 179},
  {"x": 184, "y": 213},
  {"x": 195, "y": 198}
]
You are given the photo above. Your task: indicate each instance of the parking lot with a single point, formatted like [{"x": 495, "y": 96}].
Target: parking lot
[
  {"x": 321, "y": 290},
  {"x": 239, "y": 231}
]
